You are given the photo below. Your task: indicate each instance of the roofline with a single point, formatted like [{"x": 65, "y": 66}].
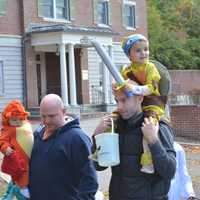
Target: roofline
[{"x": 44, "y": 28}]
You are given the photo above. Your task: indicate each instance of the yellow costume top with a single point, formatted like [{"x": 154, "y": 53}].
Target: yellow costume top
[{"x": 147, "y": 75}]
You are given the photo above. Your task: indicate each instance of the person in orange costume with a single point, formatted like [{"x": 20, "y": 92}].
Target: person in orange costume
[{"x": 16, "y": 141}]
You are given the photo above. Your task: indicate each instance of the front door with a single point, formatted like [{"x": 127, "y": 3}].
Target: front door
[
  {"x": 77, "y": 54},
  {"x": 53, "y": 81},
  {"x": 53, "y": 73}
]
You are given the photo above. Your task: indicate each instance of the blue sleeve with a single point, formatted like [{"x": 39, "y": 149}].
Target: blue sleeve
[
  {"x": 83, "y": 166},
  {"x": 163, "y": 153}
]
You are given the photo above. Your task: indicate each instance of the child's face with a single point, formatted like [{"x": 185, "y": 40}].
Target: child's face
[
  {"x": 139, "y": 53},
  {"x": 15, "y": 122}
]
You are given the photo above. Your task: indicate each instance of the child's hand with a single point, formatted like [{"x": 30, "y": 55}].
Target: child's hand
[
  {"x": 130, "y": 84},
  {"x": 137, "y": 89},
  {"x": 9, "y": 151},
  {"x": 128, "y": 88},
  {"x": 150, "y": 130}
]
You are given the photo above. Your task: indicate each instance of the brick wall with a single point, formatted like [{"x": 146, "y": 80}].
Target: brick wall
[
  {"x": 186, "y": 120},
  {"x": 10, "y": 22},
  {"x": 185, "y": 81},
  {"x": 84, "y": 16},
  {"x": 141, "y": 19}
]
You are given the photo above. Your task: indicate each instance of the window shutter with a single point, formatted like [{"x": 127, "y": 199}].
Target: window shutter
[
  {"x": 40, "y": 14},
  {"x": 72, "y": 9},
  {"x": 95, "y": 11},
  {"x": 123, "y": 15},
  {"x": 109, "y": 13},
  {"x": 2, "y": 7}
]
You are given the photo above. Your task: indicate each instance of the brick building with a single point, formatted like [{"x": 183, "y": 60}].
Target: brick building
[
  {"x": 44, "y": 39},
  {"x": 185, "y": 103}
]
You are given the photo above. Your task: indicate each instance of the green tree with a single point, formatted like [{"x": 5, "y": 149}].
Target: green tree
[{"x": 174, "y": 32}]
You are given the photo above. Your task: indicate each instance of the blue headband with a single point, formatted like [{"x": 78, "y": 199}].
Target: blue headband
[{"x": 130, "y": 41}]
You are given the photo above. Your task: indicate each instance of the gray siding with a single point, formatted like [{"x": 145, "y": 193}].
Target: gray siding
[
  {"x": 93, "y": 70},
  {"x": 11, "y": 55},
  {"x": 119, "y": 56},
  {"x": 94, "y": 62}
]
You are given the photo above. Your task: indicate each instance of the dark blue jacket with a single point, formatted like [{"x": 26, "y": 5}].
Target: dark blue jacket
[
  {"x": 127, "y": 181},
  {"x": 59, "y": 166}
]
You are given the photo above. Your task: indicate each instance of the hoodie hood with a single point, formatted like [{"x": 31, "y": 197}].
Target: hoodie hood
[{"x": 72, "y": 121}]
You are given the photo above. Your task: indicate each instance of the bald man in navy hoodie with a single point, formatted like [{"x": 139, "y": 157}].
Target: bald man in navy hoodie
[{"x": 59, "y": 166}]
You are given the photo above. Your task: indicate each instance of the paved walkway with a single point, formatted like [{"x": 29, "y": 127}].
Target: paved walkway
[{"x": 103, "y": 177}]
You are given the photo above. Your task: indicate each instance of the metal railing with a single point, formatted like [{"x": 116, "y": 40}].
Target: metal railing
[{"x": 97, "y": 96}]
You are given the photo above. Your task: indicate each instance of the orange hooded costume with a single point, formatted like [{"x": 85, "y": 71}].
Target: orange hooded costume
[{"x": 20, "y": 139}]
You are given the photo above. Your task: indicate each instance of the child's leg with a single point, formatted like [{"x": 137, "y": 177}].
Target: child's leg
[
  {"x": 22, "y": 191},
  {"x": 9, "y": 193},
  {"x": 25, "y": 192},
  {"x": 18, "y": 193},
  {"x": 146, "y": 159}
]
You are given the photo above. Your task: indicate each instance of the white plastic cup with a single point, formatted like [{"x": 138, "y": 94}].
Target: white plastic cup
[{"x": 108, "y": 149}]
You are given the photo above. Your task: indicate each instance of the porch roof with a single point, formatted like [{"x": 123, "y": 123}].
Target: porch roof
[
  {"x": 44, "y": 28},
  {"x": 43, "y": 35}
]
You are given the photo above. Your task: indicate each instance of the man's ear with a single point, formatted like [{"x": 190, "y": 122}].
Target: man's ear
[{"x": 64, "y": 111}]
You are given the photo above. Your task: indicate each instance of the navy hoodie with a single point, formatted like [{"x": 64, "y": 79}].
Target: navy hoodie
[{"x": 59, "y": 166}]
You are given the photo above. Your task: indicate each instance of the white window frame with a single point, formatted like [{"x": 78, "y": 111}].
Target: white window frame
[
  {"x": 2, "y": 89},
  {"x": 101, "y": 24},
  {"x": 54, "y": 17},
  {"x": 130, "y": 4}
]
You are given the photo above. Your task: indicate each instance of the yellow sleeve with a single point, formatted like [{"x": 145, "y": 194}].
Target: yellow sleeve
[
  {"x": 153, "y": 78},
  {"x": 125, "y": 71}
]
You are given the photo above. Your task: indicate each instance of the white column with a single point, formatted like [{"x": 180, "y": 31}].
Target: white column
[
  {"x": 72, "y": 76},
  {"x": 54, "y": 9},
  {"x": 63, "y": 75},
  {"x": 111, "y": 97},
  {"x": 105, "y": 84},
  {"x": 43, "y": 75}
]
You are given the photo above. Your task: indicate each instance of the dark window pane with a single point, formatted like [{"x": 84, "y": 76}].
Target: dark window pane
[
  {"x": 130, "y": 15},
  {"x": 60, "y": 3},
  {"x": 62, "y": 9},
  {"x": 103, "y": 12},
  {"x": 46, "y": 8},
  {"x": 47, "y": 11}
]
